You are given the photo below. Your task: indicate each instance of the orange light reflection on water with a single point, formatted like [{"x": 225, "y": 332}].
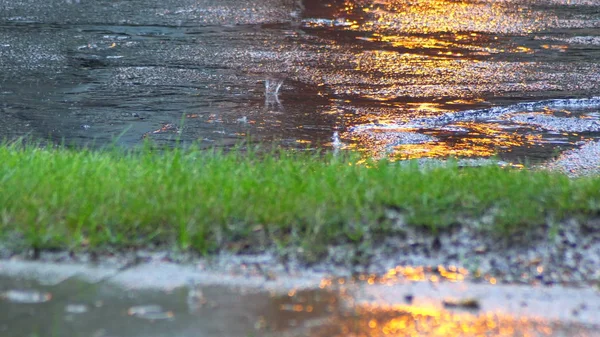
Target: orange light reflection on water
[
  {"x": 482, "y": 140},
  {"x": 427, "y": 16},
  {"x": 442, "y": 150},
  {"x": 401, "y": 274},
  {"x": 427, "y": 316},
  {"x": 423, "y": 315},
  {"x": 420, "y": 273},
  {"x": 405, "y": 272},
  {"x": 432, "y": 321},
  {"x": 478, "y": 140},
  {"x": 436, "y": 51}
]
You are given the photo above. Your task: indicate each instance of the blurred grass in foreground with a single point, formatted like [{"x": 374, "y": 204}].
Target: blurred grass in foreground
[{"x": 207, "y": 200}]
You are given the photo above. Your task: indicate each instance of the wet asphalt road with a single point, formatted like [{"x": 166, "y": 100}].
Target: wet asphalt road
[{"x": 98, "y": 72}]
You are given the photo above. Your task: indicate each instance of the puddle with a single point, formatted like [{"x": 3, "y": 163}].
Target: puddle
[
  {"x": 514, "y": 80},
  {"x": 424, "y": 321},
  {"x": 404, "y": 302},
  {"x": 108, "y": 310}
]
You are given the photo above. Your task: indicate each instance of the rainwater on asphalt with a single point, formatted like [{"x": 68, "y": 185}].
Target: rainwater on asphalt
[
  {"x": 517, "y": 80},
  {"x": 61, "y": 300}
]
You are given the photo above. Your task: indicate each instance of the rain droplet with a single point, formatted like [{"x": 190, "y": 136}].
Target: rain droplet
[{"x": 336, "y": 142}]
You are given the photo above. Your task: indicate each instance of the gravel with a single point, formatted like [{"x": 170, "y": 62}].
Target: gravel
[
  {"x": 566, "y": 253},
  {"x": 578, "y": 162}
]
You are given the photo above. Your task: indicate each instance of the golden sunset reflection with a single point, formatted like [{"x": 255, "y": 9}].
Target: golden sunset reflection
[
  {"x": 420, "y": 273},
  {"x": 409, "y": 273},
  {"x": 404, "y": 60},
  {"x": 429, "y": 16},
  {"x": 478, "y": 140},
  {"x": 402, "y": 274},
  {"x": 410, "y": 301},
  {"x": 445, "y": 45},
  {"x": 427, "y": 109},
  {"x": 484, "y": 140},
  {"x": 407, "y": 320}
]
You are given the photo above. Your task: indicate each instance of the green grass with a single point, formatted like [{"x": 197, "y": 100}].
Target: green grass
[{"x": 207, "y": 200}]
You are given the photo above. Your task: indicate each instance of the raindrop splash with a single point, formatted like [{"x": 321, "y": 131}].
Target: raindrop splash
[
  {"x": 272, "y": 86},
  {"x": 335, "y": 140}
]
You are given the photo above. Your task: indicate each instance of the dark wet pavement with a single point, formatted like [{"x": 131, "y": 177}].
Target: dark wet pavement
[
  {"x": 159, "y": 299},
  {"x": 88, "y": 72}
]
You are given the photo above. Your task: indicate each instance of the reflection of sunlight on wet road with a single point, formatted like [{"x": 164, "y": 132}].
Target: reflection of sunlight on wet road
[
  {"x": 405, "y": 301},
  {"x": 404, "y": 274},
  {"x": 266, "y": 71},
  {"x": 401, "y": 60},
  {"x": 406, "y": 320},
  {"x": 425, "y": 301},
  {"x": 479, "y": 140},
  {"x": 463, "y": 139},
  {"x": 440, "y": 16}
]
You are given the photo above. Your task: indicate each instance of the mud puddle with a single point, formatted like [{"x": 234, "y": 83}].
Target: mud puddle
[{"x": 174, "y": 300}]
